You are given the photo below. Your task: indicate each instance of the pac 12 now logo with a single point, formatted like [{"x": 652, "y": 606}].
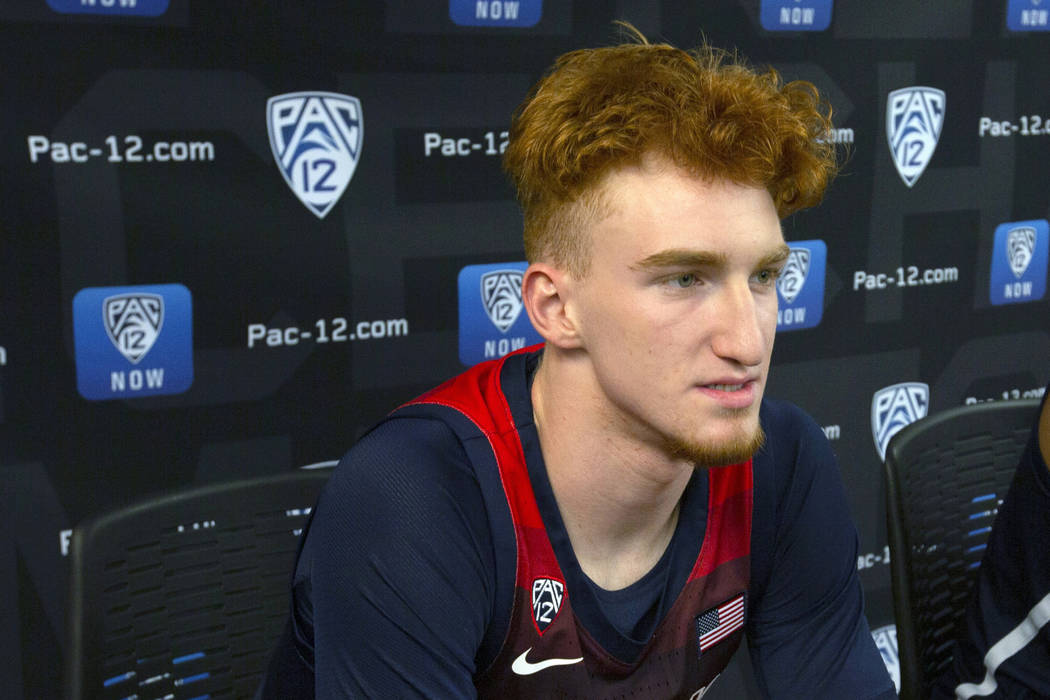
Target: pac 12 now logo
[
  {"x": 492, "y": 318},
  {"x": 1019, "y": 262},
  {"x": 316, "y": 140},
  {"x": 800, "y": 287},
  {"x": 133, "y": 341},
  {"x": 1028, "y": 16},
  {"x": 495, "y": 13},
  {"x": 795, "y": 15},
  {"x": 131, "y": 8},
  {"x": 914, "y": 119},
  {"x": 893, "y": 407}
]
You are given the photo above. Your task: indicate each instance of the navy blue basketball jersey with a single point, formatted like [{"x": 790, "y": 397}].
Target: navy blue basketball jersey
[{"x": 546, "y": 651}]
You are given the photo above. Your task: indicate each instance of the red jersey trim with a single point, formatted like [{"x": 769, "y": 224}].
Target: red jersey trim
[
  {"x": 729, "y": 500},
  {"x": 478, "y": 395}
]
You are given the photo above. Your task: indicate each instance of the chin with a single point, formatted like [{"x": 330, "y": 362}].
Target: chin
[{"x": 718, "y": 453}]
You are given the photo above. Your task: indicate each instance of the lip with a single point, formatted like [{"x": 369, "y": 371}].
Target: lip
[{"x": 741, "y": 397}]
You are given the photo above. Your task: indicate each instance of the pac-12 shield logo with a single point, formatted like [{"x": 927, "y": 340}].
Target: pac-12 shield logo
[
  {"x": 547, "y": 597},
  {"x": 893, "y": 407},
  {"x": 886, "y": 641},
  {"x": 316, "y": 140},
  {"x": 492, "y": 321},
  {"x": 132, "y": 342},
  {"x": 793, "y": 276},
  {"x": 1020, "y": 246},
  {"x": 501, "y": 295},
  {"x": 914, "y": 118},
  {"x": 1019, "y": 262},
  {"x": 133, "y": 322}
]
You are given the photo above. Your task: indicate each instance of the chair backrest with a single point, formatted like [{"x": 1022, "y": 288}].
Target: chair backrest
[
  {"x": 946, "y": 476},
  {"x": 183, "y": 595}
]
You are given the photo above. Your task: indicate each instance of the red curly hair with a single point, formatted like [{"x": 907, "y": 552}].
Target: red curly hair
[{"x": 704, "y": 110}]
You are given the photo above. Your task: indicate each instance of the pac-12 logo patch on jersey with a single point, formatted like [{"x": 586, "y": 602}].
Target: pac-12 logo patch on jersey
[
  {"x": 801, "y": 286},
  {"x": 316, "y": 140},
  {"x": 133, "y": 322},
  {"x": 914, "y": 118},
  {"x": 501, "y": 295},
  {"x": 894, "y": 407},
  {"x": 547, "y": 597},
  {"x": 1019, "y": 262},
  {"x": 131, "y": 342}
]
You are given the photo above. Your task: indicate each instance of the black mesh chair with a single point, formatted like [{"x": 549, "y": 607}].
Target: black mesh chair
[
  {"x": 184, "y": 595},
  {"x": 946, "y": 476}
]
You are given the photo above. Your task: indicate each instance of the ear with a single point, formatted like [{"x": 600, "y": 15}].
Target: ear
[{"x": 546, "y": 291}]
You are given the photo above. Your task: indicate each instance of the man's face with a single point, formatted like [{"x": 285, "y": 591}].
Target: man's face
[{"x": 678, "y": 309}]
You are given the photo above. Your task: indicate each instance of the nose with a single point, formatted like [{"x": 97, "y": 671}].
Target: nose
[{"x": 740, "y": 333}]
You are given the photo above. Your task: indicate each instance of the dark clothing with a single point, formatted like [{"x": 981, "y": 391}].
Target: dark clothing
[
  {"x": 408, "y": 577},
  {"x": 1006, "y": 651}
]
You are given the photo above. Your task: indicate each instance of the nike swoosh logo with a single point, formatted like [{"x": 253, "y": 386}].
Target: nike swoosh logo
[{"x": 524, "y": 668}]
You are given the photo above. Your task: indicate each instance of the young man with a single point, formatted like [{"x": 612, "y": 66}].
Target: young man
[
  {"x": 1005, "y": 651},
  {"x": 608, "y": 515}
]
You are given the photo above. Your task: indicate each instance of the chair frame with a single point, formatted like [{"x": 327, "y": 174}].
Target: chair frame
[
  {"x": 296, "y": 490},
  {"x": 1020, "y": 414}
]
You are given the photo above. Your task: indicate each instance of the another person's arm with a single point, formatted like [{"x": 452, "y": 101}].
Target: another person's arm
[{"x": 1006, "y": 649}]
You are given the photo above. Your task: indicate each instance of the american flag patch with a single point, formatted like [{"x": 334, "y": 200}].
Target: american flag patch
[{"x": 719, "y": 622}]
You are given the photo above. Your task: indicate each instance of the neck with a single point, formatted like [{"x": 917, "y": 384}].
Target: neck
[{"x": 618, "y": 497}]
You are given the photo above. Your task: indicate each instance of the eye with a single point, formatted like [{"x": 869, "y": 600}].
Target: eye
[
  {"x": 684, "y": 279},
  {"x": 767, "y": 277}
]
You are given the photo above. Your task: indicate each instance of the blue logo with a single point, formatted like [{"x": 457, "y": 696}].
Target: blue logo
[
  {"x": 894, "y": 407},
  {"x": 133, "y": 341},
  {"x": 1027, "y": 16},
  {"x": 495, "y": 13},
  {"x": 316, "y": 140},
  {"x": 801, "y": 286},
  {"x": 795, "y": 15},
  {"x": 131, "y": 8},
  {"x": 492, "y": 319},
  {"x": 914, "y": 118},
  {"x": 1019, "y": 260}
]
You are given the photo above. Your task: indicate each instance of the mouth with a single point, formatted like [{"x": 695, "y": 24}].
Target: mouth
[
  {"x": 734, "y": 395},
  {"x": 724, "y": 387}
]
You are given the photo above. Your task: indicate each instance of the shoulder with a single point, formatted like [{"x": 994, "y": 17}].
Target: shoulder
[
  {"x": 795, "y": 445},
  {"x": 406, "y": 474},
  {"x": 786, "y": 424},
  {"x": 797, "y": 486},
  {"x": 399, "y": 549},
  {"x": 405, "y": 457},
  {"x": 403, "y": 503}
]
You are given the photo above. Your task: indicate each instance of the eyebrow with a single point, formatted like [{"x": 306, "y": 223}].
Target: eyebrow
[{"x": 680, "y": 257}]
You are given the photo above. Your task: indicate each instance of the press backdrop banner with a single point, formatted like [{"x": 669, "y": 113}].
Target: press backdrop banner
[{"x": 232, "y": 240}]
